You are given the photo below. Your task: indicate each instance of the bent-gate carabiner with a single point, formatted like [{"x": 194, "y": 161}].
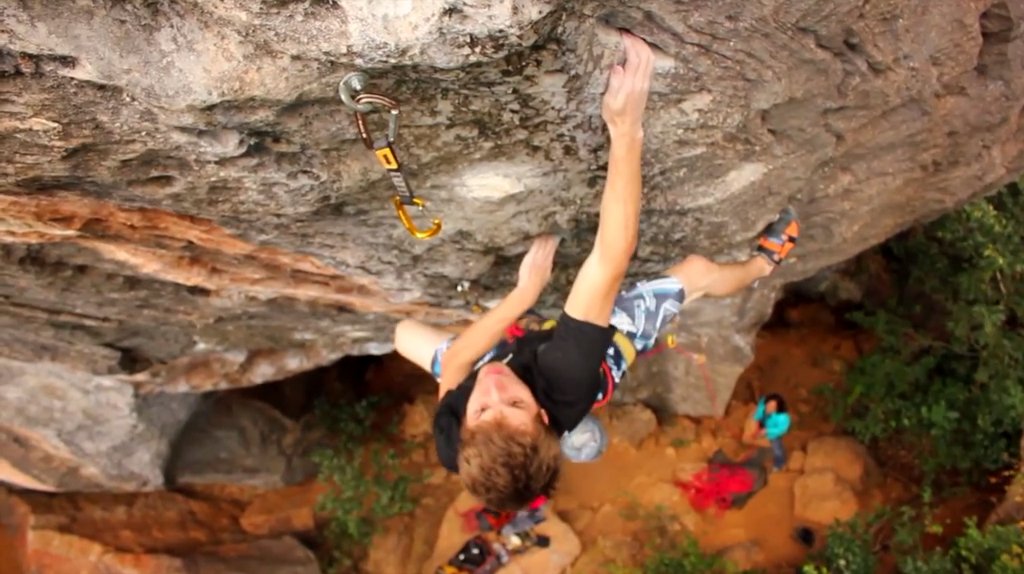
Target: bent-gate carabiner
[{"x": 408, "y": 222}]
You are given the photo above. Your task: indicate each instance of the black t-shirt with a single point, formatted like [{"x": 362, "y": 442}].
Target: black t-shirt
[{"x": 562, "y": 366}]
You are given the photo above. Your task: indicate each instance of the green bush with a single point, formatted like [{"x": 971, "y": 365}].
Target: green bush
[
  {"x": 995, "y": 550},
  {"x": 947, "y": 377},
  {"x": 686, "y": 558},
  {"x": 664, "y": 553},
  {"x": 852, "y": 547},
  {"x": 366, "y": 484},
  {"x": 849, "y": 548}
]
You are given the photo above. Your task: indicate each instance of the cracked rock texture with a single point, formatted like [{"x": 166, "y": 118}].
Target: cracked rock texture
[{"x": 185, "y": 204}]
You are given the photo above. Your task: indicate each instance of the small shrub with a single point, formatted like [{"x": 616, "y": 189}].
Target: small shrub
[
  {"x": 852, "y": 548},
  {"x": 849, "y": 548},
  {"x": 366, "y": 484},
  {"x": 686, "y": 557},
  {"x": 664, "y": 553},
  {"x": 995, "y": 550}
]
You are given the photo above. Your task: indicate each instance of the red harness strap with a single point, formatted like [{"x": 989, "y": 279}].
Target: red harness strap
[
  {"x": 514, "y": 331},
  {"x": 611, "y": 385}
]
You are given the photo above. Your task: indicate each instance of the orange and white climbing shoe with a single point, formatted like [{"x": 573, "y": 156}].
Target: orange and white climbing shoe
[{"x": 779, "y": 238}]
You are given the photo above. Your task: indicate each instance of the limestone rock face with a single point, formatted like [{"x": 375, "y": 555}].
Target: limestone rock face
[
  {"x": 822, "y": 497},
  {"x": 139, "y": 523},
  {"x": 64, "y": 429},
  {"x": 239, "y": 441},
  {"x": 67, "y": 554},
  {"x": 844, "y": 456},
  {"x": 185, "y": 204},
  {"x": 288, "y": 510},
  {"x": 629, "y": 424}
]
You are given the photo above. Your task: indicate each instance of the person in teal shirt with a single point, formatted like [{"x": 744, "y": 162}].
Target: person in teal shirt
[{"x": 767, "y": 425}]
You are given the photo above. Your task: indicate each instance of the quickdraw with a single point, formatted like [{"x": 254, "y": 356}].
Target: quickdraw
[{"x": 384, "y": 148}]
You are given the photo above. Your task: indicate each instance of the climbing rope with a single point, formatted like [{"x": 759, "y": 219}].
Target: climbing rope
[
  {"x": 384, "y": 148},
  {"x": 700, "y": 360}
]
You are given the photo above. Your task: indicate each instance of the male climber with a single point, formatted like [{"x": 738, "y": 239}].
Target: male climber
[{"x": 504, "y": 404}]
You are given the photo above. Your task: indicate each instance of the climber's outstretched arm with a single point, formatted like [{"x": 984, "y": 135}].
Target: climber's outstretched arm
[
  {"x": 484, "y": 334},
  {"x": 593, "y": 293}
]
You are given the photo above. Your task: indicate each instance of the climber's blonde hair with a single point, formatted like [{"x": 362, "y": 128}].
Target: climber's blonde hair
[{"x": 506, "y": 467}]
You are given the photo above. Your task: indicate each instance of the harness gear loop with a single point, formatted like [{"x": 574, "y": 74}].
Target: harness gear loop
[{"x": 387, "y": 156}]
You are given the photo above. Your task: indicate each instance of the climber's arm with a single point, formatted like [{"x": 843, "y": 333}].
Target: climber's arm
[
  {"x": 486, "y": 332},
  {"x": 458, "y": 361},
  {"x": 597, "y": 284},
  {"x": 417, "y": 342}
]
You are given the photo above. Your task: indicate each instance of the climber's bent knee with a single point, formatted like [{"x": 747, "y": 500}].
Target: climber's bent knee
[{"x": 695, "y": 273}]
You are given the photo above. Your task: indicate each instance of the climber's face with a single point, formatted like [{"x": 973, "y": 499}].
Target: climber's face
[
  {"x": 500, "y": 394},
  {"x": 771, "y": 407}
]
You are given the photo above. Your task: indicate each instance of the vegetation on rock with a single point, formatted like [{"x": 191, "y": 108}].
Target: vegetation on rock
[
  {"x": 853, "y": 547},
  {"x": 366, "y": 482},
  {"x": 946, "y": 380}
]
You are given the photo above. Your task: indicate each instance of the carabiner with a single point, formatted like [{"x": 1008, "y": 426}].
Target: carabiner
[
  {"x": 408, "y": 222},
  {"x": 385, "y": 102}
]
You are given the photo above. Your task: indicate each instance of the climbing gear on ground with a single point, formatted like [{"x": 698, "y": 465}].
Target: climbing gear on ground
[
  {"x": 725, "y": 483},
  {"x": 477, "y": 556},
  {"x": 779, "y": 238},
  {"x": 500, "y": 535},
  {"x": 384, "y": 148},
  {"x": 487, "y": 520}
]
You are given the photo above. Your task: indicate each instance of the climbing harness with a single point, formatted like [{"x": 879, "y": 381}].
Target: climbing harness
[
  {"x": 384, "y": 148},
  {"x": 500, "y": 535}
]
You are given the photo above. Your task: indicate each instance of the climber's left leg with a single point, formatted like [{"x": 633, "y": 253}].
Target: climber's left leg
[
  {"x": 700, "y": 276},
  {"x": 645, "y": 310}
]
